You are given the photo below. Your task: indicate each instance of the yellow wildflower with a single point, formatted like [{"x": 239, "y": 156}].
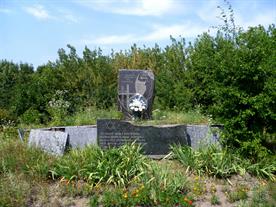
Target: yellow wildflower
[{"x": 125, "y": 195}]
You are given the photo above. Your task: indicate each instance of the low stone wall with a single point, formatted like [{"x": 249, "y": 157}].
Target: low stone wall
[{"x": 57, "y": 140}]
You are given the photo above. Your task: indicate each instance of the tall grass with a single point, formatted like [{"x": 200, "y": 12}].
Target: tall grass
[
  {"x": 222, "y": 163},
  {"x": 14, "y": 190},
  {"x": 15, "y": 157},
  {"x": 115, "y": 166}
]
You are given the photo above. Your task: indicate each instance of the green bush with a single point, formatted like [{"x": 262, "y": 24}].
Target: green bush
[{"x": 31, "y": 116}]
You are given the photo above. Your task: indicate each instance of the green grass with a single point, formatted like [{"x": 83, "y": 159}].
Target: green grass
[
  {"x": 117, "y": 166},
  {"x": 89, "y": 116},
  {"x": 215, "y": 200},
  {"x": 222, "y": 162},
  {"x": 120, "y": 176},
  {"x": 163, "y": 117},
  {"x": 17, "y": 157},
  {"x": 14, "y": 190},
  {"x": 240, "y": 193}
]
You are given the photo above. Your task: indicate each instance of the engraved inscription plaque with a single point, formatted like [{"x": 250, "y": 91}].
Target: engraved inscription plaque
[
  {"x": 155, "y": 140},
  {"x": 133, "y": 82}
]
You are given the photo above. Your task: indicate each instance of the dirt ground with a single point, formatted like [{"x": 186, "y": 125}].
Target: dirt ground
[{"x": 52, "y": 195}]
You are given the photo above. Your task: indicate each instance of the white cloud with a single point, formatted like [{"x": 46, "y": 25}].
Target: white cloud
[
  {"x": 159, "y": 32},
  {"x": 39, "y": 12},
  {"x": 133, "y": 7}
]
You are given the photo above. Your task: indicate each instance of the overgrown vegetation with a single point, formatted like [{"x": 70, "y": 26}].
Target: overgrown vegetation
[
  {"x": 222, "y": 162},
  {"x": 124, "y": 177},
  {"x": 231, "y": 79},
  {"x": 227, "y": 78},
  {"x": 117, "y": 166}
]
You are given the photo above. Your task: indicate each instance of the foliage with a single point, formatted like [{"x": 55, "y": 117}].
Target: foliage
[
  {"x": 113, "y": 166},
  {"x": 17, "y": 157},
  {"x": 263, "y": 196},
  {"x": 215, "y": 200},
  {"x": 31, "y": 116},
  {"x": 90, "y": 115},
  {"x": 220, "y": 162},
  {"x": 240, "y": 193},
  {"x": 14, "y": 190},
  {"x": 264, "y": 168},
  {"x": 158, "y": 186},
  {"x": 230, "y": 75},
  {"x": 58, "y": 107}
]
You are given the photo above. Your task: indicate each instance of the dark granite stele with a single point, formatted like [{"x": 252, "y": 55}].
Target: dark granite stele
[
  {"x": 155, "y": 140},
  {"x": 132, "y": 82}
]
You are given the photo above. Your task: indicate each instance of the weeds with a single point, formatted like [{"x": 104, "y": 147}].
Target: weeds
[
  {"x": 14, "y": 190},
  {"x": 114, "y": 166},
  {"x": 16, "y": 156},
  {"x": 263, "y": 196},
  {"x": 90, "y": 116},
  {"x": 154, "y": 188},
  {"x": 215, "y": 200},
  {"x": 240, "y": 193},
  {"x": 222, "y": 163}
]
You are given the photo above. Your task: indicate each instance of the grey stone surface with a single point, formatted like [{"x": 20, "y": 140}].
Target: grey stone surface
[
  {"x": 131, "y": 82},
  {"x": 156, "y": 140},
  {"x": 79, "y": 136},
  {"x": 53, "y": 139},
  {"x": 54, "y": 142},
  {"x": 200, "y": 135}
]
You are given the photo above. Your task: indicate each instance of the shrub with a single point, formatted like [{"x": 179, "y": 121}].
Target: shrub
[{"x": 31, "y": 116}]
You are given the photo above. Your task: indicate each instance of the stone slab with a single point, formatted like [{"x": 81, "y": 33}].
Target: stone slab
[
  {"x": 131, "y": 82},
  {"x": 156, "y": 140},
  {"x": 53, "y": 142},
  {"x": 202, "y": 135},
  {"x": 80, "y": 136}
]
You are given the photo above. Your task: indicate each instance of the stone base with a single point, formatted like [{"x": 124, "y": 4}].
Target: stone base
[{"x": 156, "y": 140}]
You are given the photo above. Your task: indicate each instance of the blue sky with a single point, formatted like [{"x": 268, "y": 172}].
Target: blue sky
[{"x": 32, "y": 31}]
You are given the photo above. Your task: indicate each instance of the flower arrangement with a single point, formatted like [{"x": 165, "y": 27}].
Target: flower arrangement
[{"x": 137, "y": 104}]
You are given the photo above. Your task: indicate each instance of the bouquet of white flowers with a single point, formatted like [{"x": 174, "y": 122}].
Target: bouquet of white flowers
[{"x": 137, "y": 104}]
